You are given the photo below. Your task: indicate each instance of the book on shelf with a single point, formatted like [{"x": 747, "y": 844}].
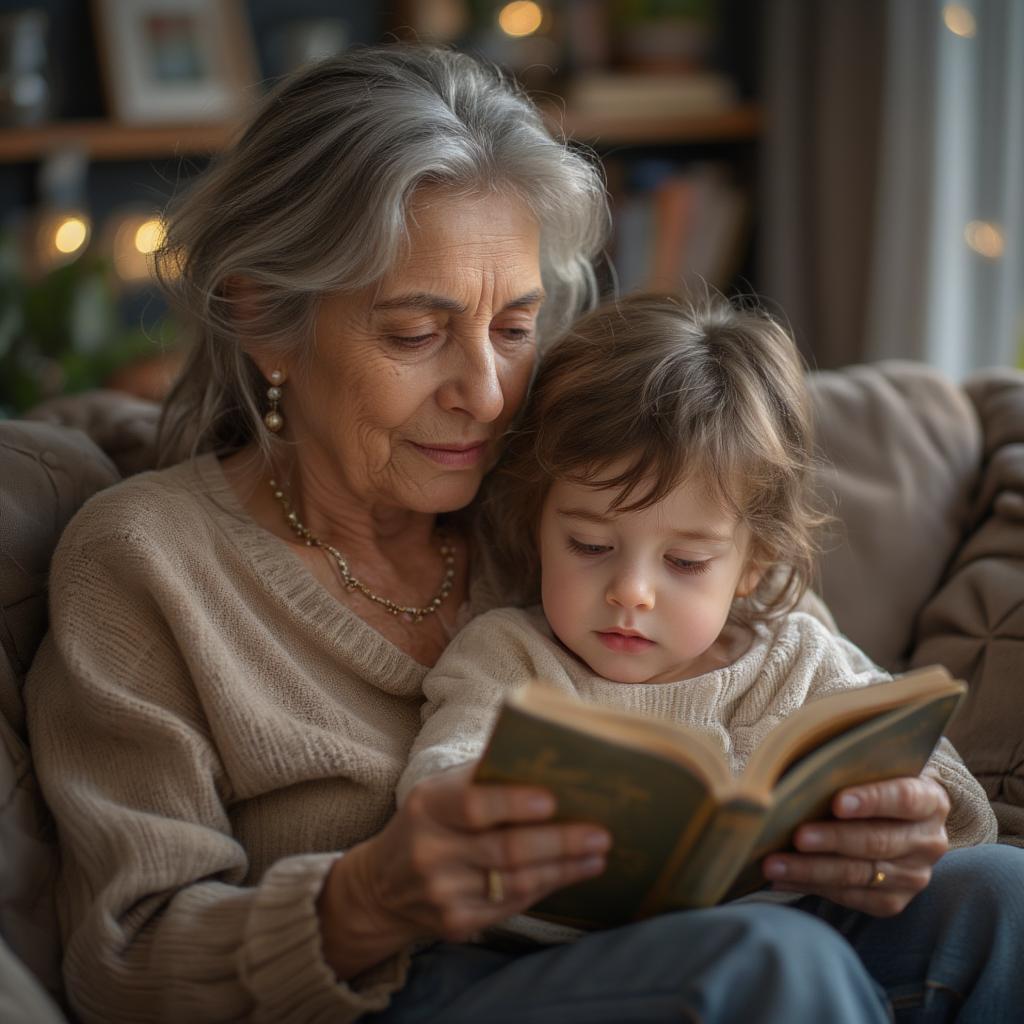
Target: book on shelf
[
  {"x": 686, "y": 831},
  {"x": 687, "y": 228}
]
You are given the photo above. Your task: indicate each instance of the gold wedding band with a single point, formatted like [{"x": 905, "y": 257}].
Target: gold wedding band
[
  {"x": 496, "y": 887},
  {"x": 878, "y": 877}
]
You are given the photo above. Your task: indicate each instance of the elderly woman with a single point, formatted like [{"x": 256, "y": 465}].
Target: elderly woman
[{"x": 232, "y": 680}]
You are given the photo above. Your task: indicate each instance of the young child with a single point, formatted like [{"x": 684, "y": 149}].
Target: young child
[{"x": 656, "y": 496}]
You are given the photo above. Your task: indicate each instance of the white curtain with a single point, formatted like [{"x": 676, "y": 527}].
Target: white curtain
[
  {"x": 893, "y": 199},
  {"x": 947, "y": 266}
]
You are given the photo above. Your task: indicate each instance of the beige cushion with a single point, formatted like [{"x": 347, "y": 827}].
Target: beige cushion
[
  {"x": 902, "y": 446},
  {"x": 47, "y": 473},
  {"x": 974, "y": 624},
  {"x": 123, "y": 426}
]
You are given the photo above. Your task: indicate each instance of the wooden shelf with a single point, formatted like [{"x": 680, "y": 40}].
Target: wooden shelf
[
  {"x": 109, "y": 140},
  {"x": 737, "y": 124}
]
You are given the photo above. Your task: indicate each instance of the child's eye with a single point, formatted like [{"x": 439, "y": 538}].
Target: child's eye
[
  {"x": 691, "y": 567},
  {"x": 587, "y": 549}
]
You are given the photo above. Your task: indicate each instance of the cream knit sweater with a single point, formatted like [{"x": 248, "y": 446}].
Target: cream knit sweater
[
  {"x": 210, "y": 728},
  {"x": 790, "y": 661}
]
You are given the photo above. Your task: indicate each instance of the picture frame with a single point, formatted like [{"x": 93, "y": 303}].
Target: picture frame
[{"x": 175, "y": 60}]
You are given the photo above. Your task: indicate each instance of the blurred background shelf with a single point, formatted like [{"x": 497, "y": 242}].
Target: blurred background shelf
[
  {"x": 741, "y": 123},
  {"x": 111, "y": 140}
]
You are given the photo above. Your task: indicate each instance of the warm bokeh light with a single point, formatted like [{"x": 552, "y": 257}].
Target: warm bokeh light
[
  {"x": 150, "y": 235},
  {"x": 959, "y": 20},
  {"x": 133, "y": 238},
  {"x": 521, "y": 18},
  {"x": 70, "y": 235},
  {"x": 984, "y": 238}
]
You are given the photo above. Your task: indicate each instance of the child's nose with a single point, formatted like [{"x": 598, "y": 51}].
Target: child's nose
[{"x": 631, "y": 589}]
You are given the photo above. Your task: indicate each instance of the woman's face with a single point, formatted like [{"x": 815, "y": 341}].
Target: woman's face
[{"x": 413, "y": 382}]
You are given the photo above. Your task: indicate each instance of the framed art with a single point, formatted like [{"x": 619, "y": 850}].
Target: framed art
[{"x": 175, "y": 60}]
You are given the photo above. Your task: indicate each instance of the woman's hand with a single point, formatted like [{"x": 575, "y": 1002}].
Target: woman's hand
[
  {"x": 426, "y": 873},
  {"x": 895, "y": 829}
]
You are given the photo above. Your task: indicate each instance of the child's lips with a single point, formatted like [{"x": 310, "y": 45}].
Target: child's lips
[{"x": 624, "y": 641}]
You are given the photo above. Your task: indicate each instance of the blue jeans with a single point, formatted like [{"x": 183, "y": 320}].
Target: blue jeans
[{"x": 954, "y": 953}]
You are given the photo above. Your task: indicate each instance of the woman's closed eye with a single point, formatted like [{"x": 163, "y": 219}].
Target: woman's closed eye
[
  {"x": 412, "y": 341},
  {"x": 515, "y": 334}
]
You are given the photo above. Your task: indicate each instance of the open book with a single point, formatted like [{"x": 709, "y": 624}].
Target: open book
[{"x": 686, "y": 831}]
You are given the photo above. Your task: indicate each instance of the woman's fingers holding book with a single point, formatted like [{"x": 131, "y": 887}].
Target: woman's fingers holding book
[
  {"x": 514, "y": 890},
  {"x": 459, "y": 857},
  {"x": 874, "y": 864},
  {"x": 875, "y": 839},
  {"x": 525, "y": 846},
  {"x": 908, "y": 799}
]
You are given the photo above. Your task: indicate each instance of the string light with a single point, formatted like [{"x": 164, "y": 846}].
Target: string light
[
  {"x": 55, "y": 239},
  {"x": 984, "y": 238},
  {"x": 70, "y": 235},
  {"x": 133, "y": 238},
  {"x": 149, "y": 236},
  {"x": 521, "y": 18},
  {"x": 959, "y": 20}
]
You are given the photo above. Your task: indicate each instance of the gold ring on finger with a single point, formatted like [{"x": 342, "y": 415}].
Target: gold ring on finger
[
  {"x": 495, "y": 886},
  {"x": 877, "y": 876}
]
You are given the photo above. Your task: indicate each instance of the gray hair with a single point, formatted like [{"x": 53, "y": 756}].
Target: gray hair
[{"x": 313, "y": 197}]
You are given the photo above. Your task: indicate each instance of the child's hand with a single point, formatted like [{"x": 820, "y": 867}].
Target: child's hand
[{"x": 878, "y": 856}]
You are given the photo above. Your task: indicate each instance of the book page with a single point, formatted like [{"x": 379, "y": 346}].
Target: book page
[{"x": 819, "y": 720}]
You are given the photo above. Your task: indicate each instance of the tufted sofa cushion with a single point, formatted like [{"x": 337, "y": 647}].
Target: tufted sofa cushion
[
  {"x": 974, "y": 623},
  {"x": 46, "y": 472}
]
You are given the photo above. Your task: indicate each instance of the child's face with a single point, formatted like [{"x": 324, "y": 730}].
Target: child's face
[{"x": 641, "y": 597}]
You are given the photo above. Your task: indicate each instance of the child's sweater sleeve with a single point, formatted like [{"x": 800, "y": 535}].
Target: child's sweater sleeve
[
  {"x": 971, "y": 819},
  {"x": 488, "y": 659}
]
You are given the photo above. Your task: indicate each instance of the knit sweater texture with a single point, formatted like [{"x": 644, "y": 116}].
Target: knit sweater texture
[
  {"x": 791, "y": 660},
  {"x": 211, "y": 728}
]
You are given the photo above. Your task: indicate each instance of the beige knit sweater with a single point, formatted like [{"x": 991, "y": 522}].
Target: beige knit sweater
[
  {"x": 210, "y": 727},
  {"x": 790, "y": 661}
]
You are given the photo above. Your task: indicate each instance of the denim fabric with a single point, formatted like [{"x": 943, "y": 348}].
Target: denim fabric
[
  {"x": 750, "y": 963},
  {"x": 953, "y": 954}
]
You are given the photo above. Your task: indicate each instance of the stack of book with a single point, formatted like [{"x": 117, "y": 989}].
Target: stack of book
[{"x": 686, "y": 228}]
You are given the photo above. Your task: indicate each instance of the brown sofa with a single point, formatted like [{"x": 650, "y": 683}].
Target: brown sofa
[{"x": 925, "y": 564}]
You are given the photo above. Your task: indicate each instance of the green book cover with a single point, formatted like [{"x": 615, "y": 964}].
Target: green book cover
[{"x": 686, "y": 832}]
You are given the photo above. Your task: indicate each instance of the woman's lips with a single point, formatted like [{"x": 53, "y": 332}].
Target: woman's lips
[
  {"x": 623, "y": 643},
  {"x": 458, "y": 456}
]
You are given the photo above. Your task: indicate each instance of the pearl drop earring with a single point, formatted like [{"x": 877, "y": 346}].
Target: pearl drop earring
[{"x": 273, "y": 419}]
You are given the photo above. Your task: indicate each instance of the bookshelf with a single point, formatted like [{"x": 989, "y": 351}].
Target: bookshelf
[{"x": 113, "y": 141}]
